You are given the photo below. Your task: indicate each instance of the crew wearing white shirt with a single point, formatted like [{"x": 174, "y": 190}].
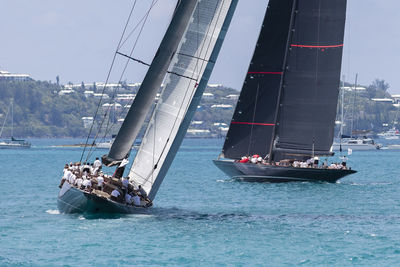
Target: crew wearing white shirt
[
  {"x": 67, "y": 174},
  {"x": 115, "y": 193},
  {"x": 78, "y": 182},
  {"x": 72, "y": 179},
  {"x": 96, "y": 163},
  {"x": 100, "y": 182},
  {"x": 87, "y": 183}
]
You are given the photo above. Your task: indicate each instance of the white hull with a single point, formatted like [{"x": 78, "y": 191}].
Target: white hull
[
  {"x": 355, "y": 147},
  {"x": 10, "y": 144}
]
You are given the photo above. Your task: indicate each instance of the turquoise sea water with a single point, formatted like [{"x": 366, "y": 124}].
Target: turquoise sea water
[{"x": 201, "y": 217}]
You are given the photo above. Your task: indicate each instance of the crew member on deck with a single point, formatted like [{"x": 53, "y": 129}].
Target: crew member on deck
[
  {"x": 87, "y": 184},
  {"x": 115, "y": 195},
  {"x": 78, "y": 182},
  {"x": 143, "y": 193},
  {"x": 100, "y": 182},
  {"x": 244, "y": 160},
  {"x": 136, "y": 199},
  {"x": 96, "y": 166},
  {"x": 344, "y": 162},
  {"x": 128, "y": 199},
  {"x": 125, "y": 185}
]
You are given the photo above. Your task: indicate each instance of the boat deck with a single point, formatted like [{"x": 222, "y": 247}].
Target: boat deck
[{"x": 277, "y": 174}]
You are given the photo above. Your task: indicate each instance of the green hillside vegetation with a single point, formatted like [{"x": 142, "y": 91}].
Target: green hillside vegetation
[{"x": 39, "y": 111}]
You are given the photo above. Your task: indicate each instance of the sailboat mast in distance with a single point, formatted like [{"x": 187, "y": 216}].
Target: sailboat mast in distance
[{"x": 151, "y": 84}]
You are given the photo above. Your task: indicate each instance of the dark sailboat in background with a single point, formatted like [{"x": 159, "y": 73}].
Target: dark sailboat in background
[
  {"x": 287, "y": 106},
  {"x": 184, "y": 60}
]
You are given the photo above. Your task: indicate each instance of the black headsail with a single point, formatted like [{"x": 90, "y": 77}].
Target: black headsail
[
  {"x": 307, "y": 110},
  {"x": 251, "y": 127}
]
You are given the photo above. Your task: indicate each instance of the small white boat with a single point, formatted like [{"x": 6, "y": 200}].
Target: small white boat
[
  {"x": 13, "y": 142},
  {"x": 356, "y": 144},
  {"x": 391, "y": 134},
  {"x": 105, "y": 144}
]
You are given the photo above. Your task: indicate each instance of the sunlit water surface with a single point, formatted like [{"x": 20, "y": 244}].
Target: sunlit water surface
[{"x": 201, "y": 217}]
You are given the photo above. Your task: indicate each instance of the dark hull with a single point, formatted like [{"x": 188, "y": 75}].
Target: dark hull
[
  {"x": 276, "y": 174},
  {"x": 73, "y": 200}
]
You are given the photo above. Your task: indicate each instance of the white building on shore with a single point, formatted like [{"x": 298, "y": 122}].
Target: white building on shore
[
  {"x": 7, "y": 76},
  {"x": 87, "y": 121}
]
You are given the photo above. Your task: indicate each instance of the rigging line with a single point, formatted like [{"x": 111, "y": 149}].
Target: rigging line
[
  {"x": 12, "y": 118},
  {"x": 108, "y": 77},
  {"x": 107, "y": 131},
  {"x": 254, "y": 117},
  {"x": 146, "y": 64},
  {"x": 139, "y": 22},
  {"x": 208, "y": 47},
  {"x": 122, "y": 74},
  {"x": 5, "y": 119},
  {"x": 281, "y": 84},
  {"x": 119, "y": 82},
  {"x": 316, "y": 71}
]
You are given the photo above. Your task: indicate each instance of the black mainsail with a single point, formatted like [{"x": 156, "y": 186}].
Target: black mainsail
[
  {"x": 311, "y": 81},
  {"x": 289, "y": 98},
  {"x": 287, "y": 106}
]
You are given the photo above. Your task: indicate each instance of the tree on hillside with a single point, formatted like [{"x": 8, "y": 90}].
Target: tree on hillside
[
  {"x": 380, "y": 85},
  {"x": 378, "y": 89}
]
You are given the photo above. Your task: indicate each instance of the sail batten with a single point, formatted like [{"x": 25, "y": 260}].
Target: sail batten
[{"x": 195, "y": 58}]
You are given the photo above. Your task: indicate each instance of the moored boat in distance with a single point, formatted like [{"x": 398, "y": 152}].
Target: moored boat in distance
[
  {"x": 12, "y": 142},
  {"x": 392, "y": 134},
  {"x": 286, "y": 112},
  {"x": 184, "y": 61},
  {"x": 356, "y": 144}
]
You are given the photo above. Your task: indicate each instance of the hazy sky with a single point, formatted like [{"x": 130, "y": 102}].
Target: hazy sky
[{"x": 77, "y": 39}]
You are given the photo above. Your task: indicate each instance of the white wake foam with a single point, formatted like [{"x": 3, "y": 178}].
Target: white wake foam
[{"x": 54, "y": 212}]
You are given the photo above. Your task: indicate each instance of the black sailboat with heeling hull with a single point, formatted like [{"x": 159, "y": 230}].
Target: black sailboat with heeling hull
[
  {"x": 287, "y": 107},
  {"x": 184, "y": 60}
]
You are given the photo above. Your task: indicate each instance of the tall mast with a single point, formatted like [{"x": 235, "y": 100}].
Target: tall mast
[
  {"x": 12, "y": 118},
  {"x": 151, "y": 84},
  {"x": 342, "y": 109},
  {"x": 354, "y": 103},
  {"x": 342, "y": 113},
  {"x": 290, "y": 32}
]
